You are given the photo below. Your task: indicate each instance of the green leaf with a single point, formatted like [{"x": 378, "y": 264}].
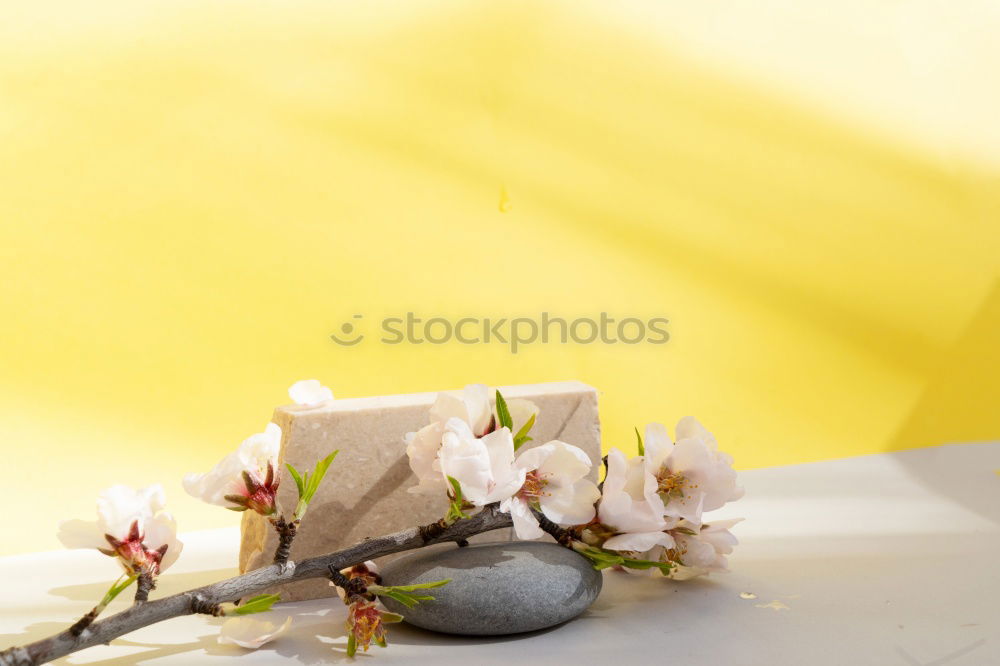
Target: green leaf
[
  {"x": 259, "y": 604},
  {"x": 296, "y": 477},
  {"x": 456, "y": 488},
  {"x": 116, "y": 588},
  {"x": 521, "y": 437},
  {"x": 421, "y": 586},
  {"x": 601, "y": 566},
  {"x": 664, "y": 567},
  {"x": 312, "y": 484},
  {"x": 391, "y": 618},
  {"x": 404, "y": 599},
  {"x": 308, "y": 484},
  {"x": 352, "y": 644},
  {"x": 604, "y": 559},
  {"x": 457, "y": 500},
  {"x": 503, "y": 414},
  {"x": 638, "y": 437},
  {"x": 404, "y": 594}
]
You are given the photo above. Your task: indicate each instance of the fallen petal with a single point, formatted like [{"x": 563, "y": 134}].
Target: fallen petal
[{"x": 250, "y": 632}]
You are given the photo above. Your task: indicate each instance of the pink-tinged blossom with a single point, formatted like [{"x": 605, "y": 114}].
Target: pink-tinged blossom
[
  {"x": 246, "y": 478},
  {"x": 131, "y": 526},
  {"x": 692, "y": 476}
]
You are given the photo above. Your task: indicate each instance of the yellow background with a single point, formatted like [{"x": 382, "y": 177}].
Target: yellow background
[{"x": 194, "y": 195}]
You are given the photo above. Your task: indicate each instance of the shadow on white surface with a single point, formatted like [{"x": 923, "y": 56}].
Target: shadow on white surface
[
  {"x": 874, "y": 561},
  {"x": 167, "y": 584}
]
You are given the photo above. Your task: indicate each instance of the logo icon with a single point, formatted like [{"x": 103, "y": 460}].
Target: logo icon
[{"x": 347, "y": 328}]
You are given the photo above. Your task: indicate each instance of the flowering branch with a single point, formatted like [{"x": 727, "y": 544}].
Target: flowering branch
[
  {"x": 646, "y": 514},
  {"x": 206, "y": 598}
]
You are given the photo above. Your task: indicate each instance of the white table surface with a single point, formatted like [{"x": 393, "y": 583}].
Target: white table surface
[{"x": 883, "y": 559}]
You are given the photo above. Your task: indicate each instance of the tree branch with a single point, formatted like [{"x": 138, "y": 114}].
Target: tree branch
[
  {"x": 286, "y": 534},
  {"x": 234, "y": 589},
  {"x": 562, "y": 535},
  {"x": 144, "y": 585}
]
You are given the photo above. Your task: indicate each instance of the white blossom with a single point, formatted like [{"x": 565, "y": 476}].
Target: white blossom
[
  {"x": 473, "y": 406},
  {"x": 132, "y": 526},
  {"x": 309, "y": 393},
  {"x": 702, "y": 549},
  {"x": 630, "y": 513},
  {"x": 244, "y": 479},
  {"x": 484, "y": 466},
  {"x": 691, "y": 476},
  {"x": 554, "y": 483}
]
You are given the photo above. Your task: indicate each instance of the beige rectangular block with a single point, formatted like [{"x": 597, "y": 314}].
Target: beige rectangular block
[{"x": 365, "y": 491}]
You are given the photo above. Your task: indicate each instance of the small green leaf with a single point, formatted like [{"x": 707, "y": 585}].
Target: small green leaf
[
  {"x": 638, "y": 437},
  {"x": 601, "y": 558},
  {"x": 664, "y": 567},
  {"x": 404, "y": 594},
  {"x": 421, "y": 586},
  {"x": 259, "y": 604},
  {"x": 312, "y": 484},
  {"x": 456, "y": 489},
  {"x": 296, "y": 477},
  {"x": 601, "y": 566},
  {"x": 308, "y": 484},
  {"x": 404, "y": 599},
  {"x": 521, "y": 437},
  {"x": 503, "y": 414},
  {"x": 352, "y": 644},
  {"x": 116, "y": 588},
  {"x": 391, "y": 618},
  {"x": 455, "y": 511}
]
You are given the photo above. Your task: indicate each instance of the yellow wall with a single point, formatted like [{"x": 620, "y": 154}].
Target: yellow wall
[{"x": 194, "y": 195}]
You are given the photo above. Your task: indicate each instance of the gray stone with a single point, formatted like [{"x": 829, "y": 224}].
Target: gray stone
[{"x": 495, "y": 589}]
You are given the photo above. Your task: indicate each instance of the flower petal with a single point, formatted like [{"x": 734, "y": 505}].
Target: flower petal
[
  {"x": 572, "y": 505},
  {"x": 566, "y": 460},
  {"x": 617, "y": 469},
  {"x": 638, "y": 541},
  {"x": 448, "y": 405},
  {"x": 422, "y": 449},
  {"x": 250, "y": 632},
  {"x": 309, "y": 392},
  {"x": 688, "y": 455},
  {"x": 658, "y": 445},
  {"x": 467, "y": 460},
  {"x": 119, "y": 506},
  {"x": 161, "y": 530},
  {"x": 478, "y": 400},
  {"x": 689, "y": 428},
  {"x": 224, "y": 479},
  {"x": 525, "y": 524}
]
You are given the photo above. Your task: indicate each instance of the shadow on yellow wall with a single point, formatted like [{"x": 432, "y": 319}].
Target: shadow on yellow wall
[
  {"x": 194, "y": 197},
  {"x": 959, "y": 402}
]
